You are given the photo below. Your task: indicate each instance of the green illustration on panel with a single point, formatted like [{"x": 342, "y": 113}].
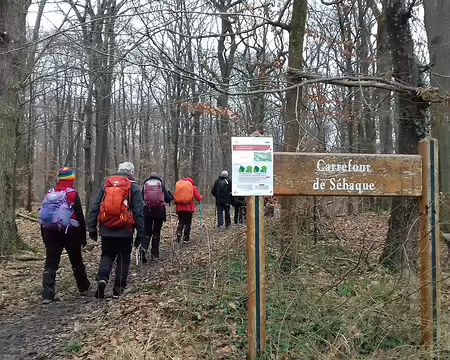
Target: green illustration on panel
[
  {"x": 249, "y": 169},
  {"x": 264, "y": 169},
  {"x": 241, "y": 169},
  {"x": 256, "y": 169}
]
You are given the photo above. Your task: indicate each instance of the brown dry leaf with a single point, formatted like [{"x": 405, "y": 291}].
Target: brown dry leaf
[{"x": 225, "y": 351}]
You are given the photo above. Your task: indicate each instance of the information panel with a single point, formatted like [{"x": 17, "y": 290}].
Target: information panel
[{"x": 252, "y": 166}]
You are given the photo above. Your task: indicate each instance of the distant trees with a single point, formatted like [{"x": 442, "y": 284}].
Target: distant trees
[{"x": 168, "y": 89}]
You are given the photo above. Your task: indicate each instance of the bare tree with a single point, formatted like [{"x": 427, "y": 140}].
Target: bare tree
[{"x": 12, "y": 65}]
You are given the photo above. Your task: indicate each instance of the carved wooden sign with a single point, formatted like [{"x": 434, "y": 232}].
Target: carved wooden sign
[{"x": 347, "y": 174}]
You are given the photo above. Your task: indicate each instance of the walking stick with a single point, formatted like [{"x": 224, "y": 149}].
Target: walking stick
[
  {"x": 137, "y": 255},
  {"x": 201, "y": 221}
]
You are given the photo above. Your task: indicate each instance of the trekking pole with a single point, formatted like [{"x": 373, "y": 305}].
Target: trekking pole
[
  {"x": 137, "y": 255},
  {"x": 201, "y": 221}
]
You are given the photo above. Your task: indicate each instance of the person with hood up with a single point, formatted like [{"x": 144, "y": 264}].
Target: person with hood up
[
  {"x": 156, "y": 196},
  {"x": 222, "y": 192},
  {"x": 185, "y": 193},
  {"x": 57, "y": 237},
  {"x": 118, "y": 208}
]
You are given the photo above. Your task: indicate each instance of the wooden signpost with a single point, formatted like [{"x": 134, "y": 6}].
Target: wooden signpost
[{"x": 310, "y": 174}]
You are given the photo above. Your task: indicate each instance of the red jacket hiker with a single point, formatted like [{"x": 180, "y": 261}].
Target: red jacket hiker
[
  {"x": 56, "y": 240},
  {"x": 190, "y": 207},
  {"x": 184, "y": 212}
]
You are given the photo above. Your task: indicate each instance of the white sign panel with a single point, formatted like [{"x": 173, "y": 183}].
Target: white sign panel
[{"x": 252, "y": 166}]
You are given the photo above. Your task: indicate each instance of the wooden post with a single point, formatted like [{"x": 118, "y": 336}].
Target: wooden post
[
  {"x": 429, "y": 247},
  {"x": 256, "y": 262}
]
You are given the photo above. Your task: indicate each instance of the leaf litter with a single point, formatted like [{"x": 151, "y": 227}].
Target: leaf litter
[{"x": 164, "y": 315}]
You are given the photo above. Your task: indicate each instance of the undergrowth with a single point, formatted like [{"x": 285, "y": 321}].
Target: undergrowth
[{"x": 331, "y": 306}]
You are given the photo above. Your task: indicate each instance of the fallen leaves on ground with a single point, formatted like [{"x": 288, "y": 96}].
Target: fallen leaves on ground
[{"x": 163, "y": 314}]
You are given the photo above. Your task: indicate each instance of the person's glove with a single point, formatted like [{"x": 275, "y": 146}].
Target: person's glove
[{"x": 93, "y": 235}]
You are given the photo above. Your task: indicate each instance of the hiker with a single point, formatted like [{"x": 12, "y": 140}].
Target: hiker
[
  {"x": 222, "y": 192},
  {"x": 185, "y": 193},
  {"x": 155, "y": 197},
  {"x": 63, "y": 227},
  {"x": 239, "y": 209},
  {"x": 269, "y": 205},
  {"x": 118, "y": 209}
]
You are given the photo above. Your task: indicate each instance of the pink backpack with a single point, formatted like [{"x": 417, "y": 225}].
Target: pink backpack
[{"x": 153, "y": 194}]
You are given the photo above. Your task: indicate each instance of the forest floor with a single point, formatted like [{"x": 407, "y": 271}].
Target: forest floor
[{"x": 337, "y": 303}]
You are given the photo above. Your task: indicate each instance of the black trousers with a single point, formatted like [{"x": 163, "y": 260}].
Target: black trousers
[
  {"x": 184, "y": 223},
  {"x": 220, "y": 210},
  {"x": 54, "y": 248},
  {"x": 153, "y": 231},
  {"x": 239, "y": 214},
  {"x": 115, "y": 249}
]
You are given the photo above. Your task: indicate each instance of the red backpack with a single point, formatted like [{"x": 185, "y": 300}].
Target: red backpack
[
  {"x": 115, "y": 209},
  {"x": 153, "y": 194}
]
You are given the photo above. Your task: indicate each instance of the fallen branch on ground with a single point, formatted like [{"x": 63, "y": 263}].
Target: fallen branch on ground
[{"x": 27, "y": 217}]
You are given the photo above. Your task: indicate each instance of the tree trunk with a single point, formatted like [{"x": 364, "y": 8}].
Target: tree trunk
[
  {"x": 12, "y": 38},
  {"x": 437, "y": 22},
  {"x": 88, "y": 151},
  {"x": 293, "y": 116},
  {"x": 401, "y": 241}
]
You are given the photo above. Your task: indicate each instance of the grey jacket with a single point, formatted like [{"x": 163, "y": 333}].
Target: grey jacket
[{"x": 136, "y": 206}]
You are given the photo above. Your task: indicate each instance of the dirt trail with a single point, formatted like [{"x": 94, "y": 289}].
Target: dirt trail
[{"x": 29, "y": 330}]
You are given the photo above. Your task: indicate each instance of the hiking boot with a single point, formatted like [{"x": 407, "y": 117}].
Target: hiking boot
[
  {"x": 178, "y": 239},
  {"x": 100, "y": 292},
  {"x": 117, "y": 292},
  {"x": 186, "y": 240},
  {"x": 85, "y": 292},
  {"x": 46, "y": 301},
  {"x": 154, "y": 254},
  {"x": 143, "y": 256}
]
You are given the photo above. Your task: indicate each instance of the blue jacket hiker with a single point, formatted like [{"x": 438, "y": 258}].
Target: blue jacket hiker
[{"x": 155, "y": 196}]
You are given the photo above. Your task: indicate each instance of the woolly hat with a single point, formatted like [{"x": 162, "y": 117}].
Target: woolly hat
[
  {"x": 66, "y": 174},
  {"x": 224, "y": 174}
]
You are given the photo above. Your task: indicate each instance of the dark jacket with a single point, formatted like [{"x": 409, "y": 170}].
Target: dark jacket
[
  {"x": 157, "y": 213},
  {"x": 79, "y": 232},
  {"x": 238, "y": 201},
  {"x": 222, "y": 199},
  {"x": 136, "y": 206}
]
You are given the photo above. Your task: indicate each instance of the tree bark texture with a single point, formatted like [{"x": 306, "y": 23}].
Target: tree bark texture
[
  {"x": 293, "y": 117},
  {"x": 402, "y": 237},
  {"x": 437, "y": 23},
  {"x": 12, "y": 36}
]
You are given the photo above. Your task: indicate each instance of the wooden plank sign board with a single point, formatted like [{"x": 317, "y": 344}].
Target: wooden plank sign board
[{"x": 311, "y": 174}]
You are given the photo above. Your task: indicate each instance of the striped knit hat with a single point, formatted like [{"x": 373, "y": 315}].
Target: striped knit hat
[{"x": 66, "y": 174}]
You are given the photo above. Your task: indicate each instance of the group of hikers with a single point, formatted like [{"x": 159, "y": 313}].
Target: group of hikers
[{"x": 120, "y": 208}]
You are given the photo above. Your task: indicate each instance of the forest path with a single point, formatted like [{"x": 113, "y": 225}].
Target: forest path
[{"x": 29, "y": 330}]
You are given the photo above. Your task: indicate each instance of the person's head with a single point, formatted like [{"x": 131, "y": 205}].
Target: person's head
[
  {"x": 154, "y": 175},
  {"x": 66, "y": 174},
  {"x": 224, "y": 174},
  {"x": 126, "y": 167}
]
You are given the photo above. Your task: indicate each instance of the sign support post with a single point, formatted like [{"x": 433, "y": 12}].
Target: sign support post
[
  {"x": 429, "y": 247},
  {"x": 256, "y": 262}
]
